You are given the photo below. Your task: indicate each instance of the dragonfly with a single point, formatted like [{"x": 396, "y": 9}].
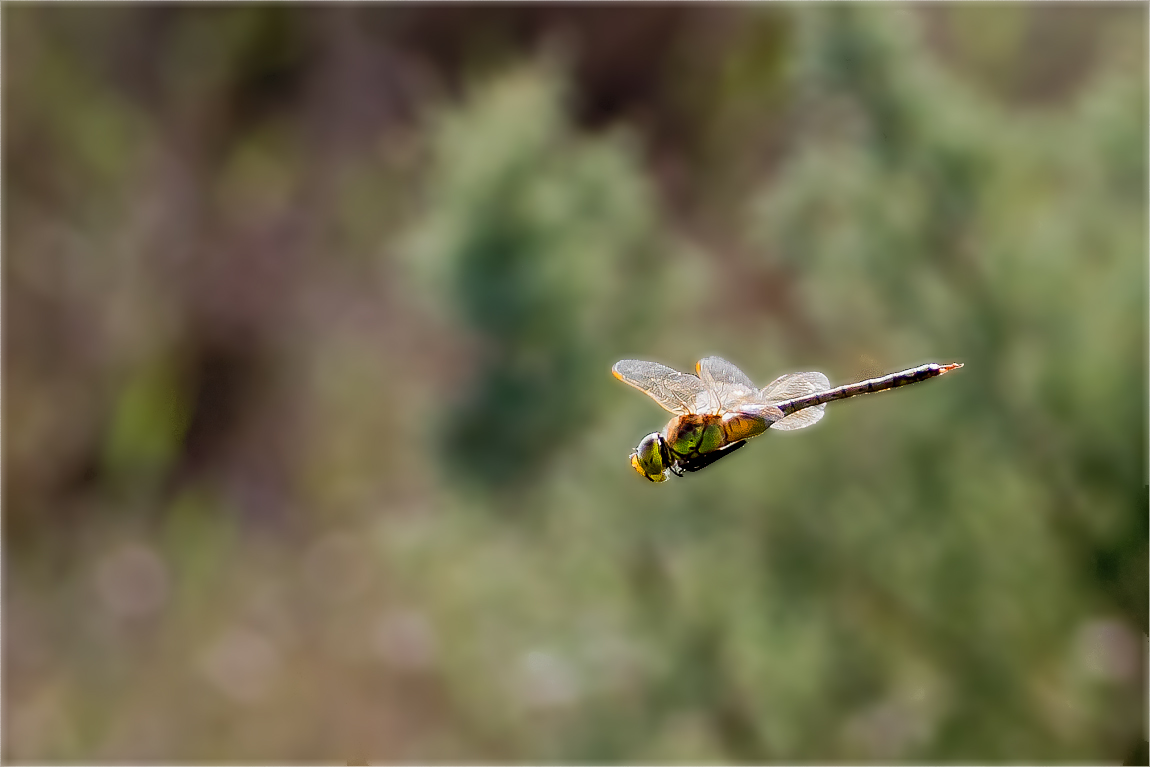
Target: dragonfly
[{"x": 718, "y": 409}]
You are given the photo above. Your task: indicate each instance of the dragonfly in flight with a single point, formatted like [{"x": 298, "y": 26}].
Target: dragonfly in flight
[{"x": 717, "y": 410}]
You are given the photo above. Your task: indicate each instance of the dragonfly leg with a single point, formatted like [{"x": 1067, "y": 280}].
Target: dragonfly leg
[{"x": 706, "y": 459}]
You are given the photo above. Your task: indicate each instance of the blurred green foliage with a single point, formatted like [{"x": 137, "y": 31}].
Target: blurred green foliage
[
  {"x": 545, "y": 247},
  {"x": 301, "y": 303}
]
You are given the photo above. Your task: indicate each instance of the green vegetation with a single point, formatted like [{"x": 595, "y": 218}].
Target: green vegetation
[{"x": 312, "y": 448}]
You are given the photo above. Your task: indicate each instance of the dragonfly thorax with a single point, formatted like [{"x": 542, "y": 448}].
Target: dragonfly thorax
[
  {"x": 690, "y": 437},
  {"x": 695, "y": 434}
]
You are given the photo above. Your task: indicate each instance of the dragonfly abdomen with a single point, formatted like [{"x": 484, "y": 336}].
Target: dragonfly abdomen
[{"x": 883, "y": 383}]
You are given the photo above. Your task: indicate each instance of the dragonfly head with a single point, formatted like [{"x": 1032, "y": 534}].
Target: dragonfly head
[{"x": 652, "y": 458}]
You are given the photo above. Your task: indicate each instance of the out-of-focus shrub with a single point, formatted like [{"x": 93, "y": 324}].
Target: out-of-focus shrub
[
  {"x": 543, "y": 245},
  {"x": 924, "y": 220}
]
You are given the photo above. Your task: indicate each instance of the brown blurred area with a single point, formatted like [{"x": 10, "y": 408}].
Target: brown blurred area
[{"x": 310, "y": 448}]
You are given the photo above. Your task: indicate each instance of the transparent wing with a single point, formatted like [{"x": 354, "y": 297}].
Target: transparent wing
[
  {"x": 727, "y": 385},
  {"x": 717, "y": 369},
  {"x": 675, "y": 391},
  {"x": 789, "y": 387}
]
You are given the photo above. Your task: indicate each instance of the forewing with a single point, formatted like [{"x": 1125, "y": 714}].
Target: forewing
[
  {"x": 675, "y": 391},
  {"x": 789, "y": 387},
  {"x": 728, "y": 385},
  {"x": 719, "y": 370}
]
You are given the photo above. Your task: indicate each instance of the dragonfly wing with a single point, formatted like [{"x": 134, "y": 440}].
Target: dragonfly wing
[
  {"x": 675, "y": 391},
  {"x": 727, "y": 384},
  {"x": 717, "y": 369},
  {"x": 794, "y": 385},
  {"x": 789, "y": 387},
  {"x": 800, "y": 419}
]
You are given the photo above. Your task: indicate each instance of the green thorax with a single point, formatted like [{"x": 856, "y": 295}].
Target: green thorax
[{"x": 695, "y": 435}]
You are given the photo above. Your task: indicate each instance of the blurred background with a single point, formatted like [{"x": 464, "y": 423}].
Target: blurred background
[{"x": 311, "y": 447}]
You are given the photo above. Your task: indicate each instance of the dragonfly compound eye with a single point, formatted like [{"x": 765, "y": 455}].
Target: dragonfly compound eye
[{"x": 650, "y": 458}]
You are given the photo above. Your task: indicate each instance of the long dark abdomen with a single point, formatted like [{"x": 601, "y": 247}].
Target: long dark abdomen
[{"x": 892, "y": 381}]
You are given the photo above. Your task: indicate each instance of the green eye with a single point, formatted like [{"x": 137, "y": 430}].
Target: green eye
[{"x": 650, "y": 458}]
